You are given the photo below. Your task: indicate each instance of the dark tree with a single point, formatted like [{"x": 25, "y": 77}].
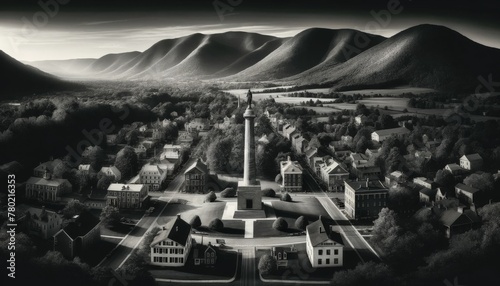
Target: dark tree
[
  {"x": 286, "y": 197},
  {"x": 280, "y": 224},
  {"x": 301, "y": 223},
  {"x": 267, "y": 265},
  {"x": 74, "y": 207},
  {"x": 210, "y": 197},
  {"x": 195, "y": 222},
  {"x": 228, "y": 193},
  {"x": 126, "y": 161},
  {"x": 216, "y": 225},
  {"x": 268, "y": 193},
  {"x": 110, "y": 216}
]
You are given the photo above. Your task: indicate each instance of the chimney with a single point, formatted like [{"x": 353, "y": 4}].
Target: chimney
[
  {"x": 289, "y": 159},
  {"x": 460, "y": 209},
  {"x": 178, "y": 216},
  {"x": 321, "y": 230},
  {"x": 367, "y": 183}
]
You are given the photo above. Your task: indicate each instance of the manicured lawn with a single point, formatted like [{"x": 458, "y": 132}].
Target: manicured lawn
[
  {"x": 232, "y": 228},
  {"x": 264, "y": 228},
  {"x": 308, "y": 207},
  {"x": 207, "y": 212},
  {"x": 225, "y": 268}
]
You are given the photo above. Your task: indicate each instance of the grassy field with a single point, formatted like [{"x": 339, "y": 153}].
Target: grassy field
[{"x": 308, "y": 207}]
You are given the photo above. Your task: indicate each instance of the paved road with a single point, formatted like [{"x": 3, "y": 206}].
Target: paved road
[
  {"x": 130, "y": 242},
  {"x": 354, "y": 238},
  {"x": 248, "y": 271}
]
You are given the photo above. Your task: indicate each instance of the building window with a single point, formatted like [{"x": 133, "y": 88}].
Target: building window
[
  {"x": 336, "y": 261},
  {"x": 320, "y": 261},
  {"x": 320, "y": 252},
  {"x": 328, "y": 253},
  {"x": 336, "y": 251},
  {"x": 327, "y": 261}
]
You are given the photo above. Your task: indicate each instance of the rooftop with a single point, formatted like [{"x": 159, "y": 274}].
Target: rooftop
[
  {"x": 176, "y": 230},
  {"x": 126, "y": 187}
]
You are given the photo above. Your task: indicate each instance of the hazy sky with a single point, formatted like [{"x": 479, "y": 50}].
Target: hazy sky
[{"x": 91, "y": 29}]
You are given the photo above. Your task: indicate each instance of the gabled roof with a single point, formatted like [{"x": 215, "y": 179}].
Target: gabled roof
[
  {"x": 320, "y": 232},
  {"x": 387, "y": 132},
  {"x": 454, "y": 217},
  {"x": 49, "y": 165},
  {"x": 429, "y": 192},
  {"x": 198, "y": 165},
  {"x": 291, "y": 167},
  {"x": 112, "y": 170},
  {"x": 311, "y": 152},
  {"x": 81, "y": 225},
  {"x": 45, "y": 182},
  {"x": 334, "y": 167},
  {"x": 151, "y": 168},
  {"x": 471, "y": 157},
  {"x": 453, "y": 167},
  {"x": 176, "y": 230},
  {"x": 466, "y": 188}
]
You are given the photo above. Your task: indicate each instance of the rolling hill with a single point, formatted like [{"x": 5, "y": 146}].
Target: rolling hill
[
  {"x": 19, "y": 80},
  {"x": 422, "y": 56}
]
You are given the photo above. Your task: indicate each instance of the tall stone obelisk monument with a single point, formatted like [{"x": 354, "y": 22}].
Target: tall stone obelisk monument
[{"x": 249, "y": 193}]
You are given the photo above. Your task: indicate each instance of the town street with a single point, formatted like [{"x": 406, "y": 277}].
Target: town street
[{"x": 132, "y": 240}]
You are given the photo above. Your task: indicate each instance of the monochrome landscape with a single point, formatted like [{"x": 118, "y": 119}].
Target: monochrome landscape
[{"x": 249, "y": 143}]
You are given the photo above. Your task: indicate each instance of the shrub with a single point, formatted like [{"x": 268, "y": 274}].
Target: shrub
[
  {"x": 301, "y": 223},
  {"x": 216, "y": 225},
  {"x": 280, "y": 224},
  {"x": 211, "y": 197},
  {"x": 286, "y": 197},
  {"x": 268, "y": 193},
  {"x": 267, "y": 264},
  {"x": 228, "y": 193},
  {"x": 195, "y": 222}
]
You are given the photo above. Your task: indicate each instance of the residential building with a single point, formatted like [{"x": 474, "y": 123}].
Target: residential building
[
  {"x": 301, "y": 145},
  {"x": 333, "y": 174},
  {"x": 441, "y": 194},
  {"x": 362, "y": 168},
  {"x": 289, "y": 131},
  {"x": 455, "y": 169},
  {"x": 197, "y": 125},
  {"x": 111, "y": 172},
  {"x": 130, "y": 196},
  {"x": 185, "y": 139},
  {"x": 427, "y": 195},
  {"x": 85, "y": 168},
  {"x": 395, "y": 177},
  {"x": 40, "y": 222},
  {"x": 43, "y": 168},
  {"x": 79, "y": 237},
  {"x": 365, "y": 199},
  {"x": 283, "y": 255},
  {"x": 291, "y": 174},
  {"x": 362, "y": 120},
  {"x": 205, "y": 255},
  {"x": 472, "y": 162},
  {"x": 458, "y": 220},
  {"x": 467, "y": 194},
  {"x": 310, "y": 155},
  {"x": 424, "y": 182},
  {"x": 196, "y": 176},
  {"x": 152, "y": 176},
  {"x": 324, "y": 245},
  {"x": 171, "y": 246},
  {"x": 224, "y": 124},
  {"x": 381, "y": 135},
  {"x": 47, "y": 188}
]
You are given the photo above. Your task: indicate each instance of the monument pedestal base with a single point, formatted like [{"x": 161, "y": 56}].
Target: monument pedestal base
[{"x": 249, "y": 196}]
